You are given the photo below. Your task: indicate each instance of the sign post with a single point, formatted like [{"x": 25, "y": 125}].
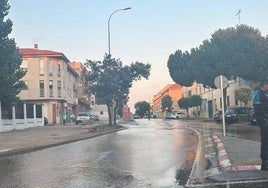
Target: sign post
[{"x": 221, "y": 82}]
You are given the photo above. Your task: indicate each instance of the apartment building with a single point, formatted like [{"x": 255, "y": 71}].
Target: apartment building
[
  {"x": 174, "y": 91},
  {"x": 50, "y": 82},
  {"x": 84, "y": 97}
]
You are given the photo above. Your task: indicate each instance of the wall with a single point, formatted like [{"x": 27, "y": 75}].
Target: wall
[{"x": 19, "y": 124}]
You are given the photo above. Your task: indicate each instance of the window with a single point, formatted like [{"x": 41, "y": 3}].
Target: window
[
  {"x": 58, "y": 70},
  {"x": 236, "y": 102},
  {"x": 42, "y": 88},
  {"x": 59, "y": 88},
  {"x": 189, "y": 93},
  {"x": 41, "y": 67},
  {"x": 6, "y": 111},
  {"x": 24, "y": 65},
  {"x": 50, "y": 88},
  {"x": 228, "y": 101},
  {"x": 50, "y": 68},
  {"x": 38, "y": 111},
  {"x": 29, "y": 111},
  {"x": 19, "y": 111}
]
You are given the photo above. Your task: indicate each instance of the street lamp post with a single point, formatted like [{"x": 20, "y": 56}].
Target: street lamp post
[
  {"x": 109, "y": 42},
  {"x": 109, "y": 51}
]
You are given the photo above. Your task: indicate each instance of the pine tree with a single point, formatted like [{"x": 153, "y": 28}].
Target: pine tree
[{"x": 10, "y": 60}]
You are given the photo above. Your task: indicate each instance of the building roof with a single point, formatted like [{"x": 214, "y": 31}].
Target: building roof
[
  {"x": 168, "y": 87},
  {"x": 165, "y": 89},
  {"x": 35, "y": 52}
]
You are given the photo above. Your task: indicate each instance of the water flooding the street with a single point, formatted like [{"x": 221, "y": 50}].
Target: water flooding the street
[{"x": 149, "y": 154}]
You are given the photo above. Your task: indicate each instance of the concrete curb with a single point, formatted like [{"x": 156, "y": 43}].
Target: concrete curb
[
  {"x": 196, "y": 169},
  {"x": 9, "y": 153}
]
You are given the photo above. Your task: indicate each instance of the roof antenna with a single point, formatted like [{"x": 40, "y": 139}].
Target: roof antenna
[{"x": 238, "y": 15}]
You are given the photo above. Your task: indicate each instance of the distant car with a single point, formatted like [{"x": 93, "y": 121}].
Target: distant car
[
  {"x": 84, "y": 118},
  {"x": 171, "y": 115},
  {"x": 231, "y": 114},
  {"x": 136, "y": 116},
  {"x": 252, "y": 118},
  {"x": 180, "y": 115},
  {"x": 218, "y": 116}
]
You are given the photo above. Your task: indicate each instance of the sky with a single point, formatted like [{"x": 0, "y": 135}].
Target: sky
[{"x": 149, "y": 32}]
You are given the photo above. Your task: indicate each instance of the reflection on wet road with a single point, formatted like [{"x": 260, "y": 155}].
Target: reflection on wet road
[{"x": 145, "y": 155}]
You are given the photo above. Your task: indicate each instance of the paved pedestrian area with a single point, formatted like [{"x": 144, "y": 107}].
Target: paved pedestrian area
[
  {"x": 231, "y": 158},
  {"x": 32, "y": 139}
]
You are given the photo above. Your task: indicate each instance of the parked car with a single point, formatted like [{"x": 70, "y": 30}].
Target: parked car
[
  {"x": 252, "y": 118},
  {"x": 218, "y": 116},
  {"x": 95, "y": 117},
  {"x": 170, "y": 115},
  {"x": 84, "y": 118},
  {"x": 232, "y": 114},
  {"x": 180, "y": 115},
  {"x": 136, "y": 116}
]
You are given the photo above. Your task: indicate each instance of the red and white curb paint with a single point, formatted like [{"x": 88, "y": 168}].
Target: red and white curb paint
[{"x": 225, "y": 162}]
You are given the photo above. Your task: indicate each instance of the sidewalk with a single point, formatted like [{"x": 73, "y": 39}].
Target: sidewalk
[
  {"x": 22, "y": 141},
  {"x": 233, "y": 157}
]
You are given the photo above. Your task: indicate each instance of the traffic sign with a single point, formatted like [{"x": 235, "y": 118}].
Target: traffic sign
[{"x": 217, "y": 82}]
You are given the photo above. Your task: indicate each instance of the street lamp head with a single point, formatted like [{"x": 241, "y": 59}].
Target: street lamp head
[
  {"x": 109, "y": 26},
  {"x": 127, "y": 8}
]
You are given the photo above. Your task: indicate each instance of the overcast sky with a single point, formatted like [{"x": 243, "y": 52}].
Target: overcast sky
[{"x": 149, "y": 32}]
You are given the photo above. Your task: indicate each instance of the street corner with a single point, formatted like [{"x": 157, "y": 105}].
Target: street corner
[
  {"x": 222, "y": 168},
  {"x": 226, "y": 163}
]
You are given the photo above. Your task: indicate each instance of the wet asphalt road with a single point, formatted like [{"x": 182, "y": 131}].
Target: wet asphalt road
[{"x": 146, "y": 155}]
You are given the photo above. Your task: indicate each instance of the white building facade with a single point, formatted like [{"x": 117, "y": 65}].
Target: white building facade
[{"x": 211, "y": 98}]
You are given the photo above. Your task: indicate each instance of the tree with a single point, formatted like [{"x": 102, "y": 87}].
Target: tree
[
  {"x": 10, "y": 60},
  {"x": 142, "y": 108},
  {"x": 184, "y": 103},
  {"x": 166, "y": 103},
  {"x": 111, "y": 81},
  {"x": 243, "y": 94},
  {"x": 195, "y": 100},
  {"x": 180, "y": 68},
  {"x": 241, "y": 51}
]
